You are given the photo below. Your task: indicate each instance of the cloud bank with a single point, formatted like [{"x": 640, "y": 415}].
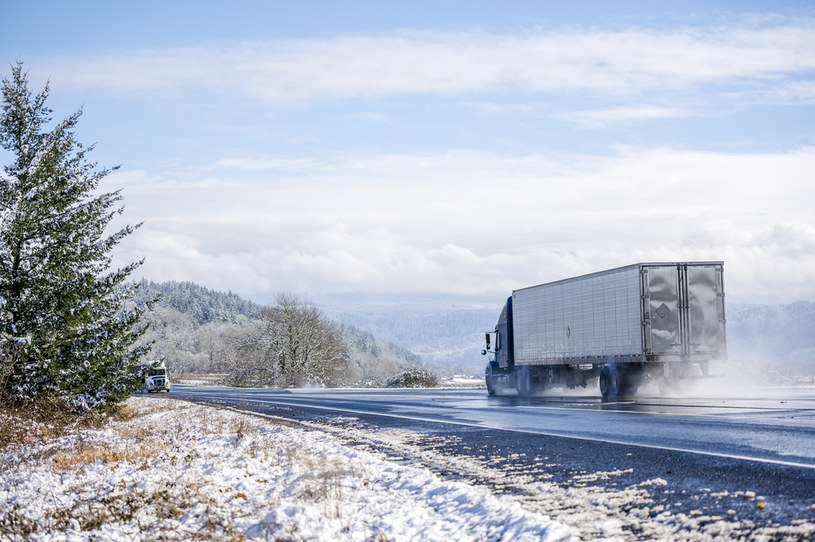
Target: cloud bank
[
  {"x": 474, "y": 202},
  {"x": 635, "y": 61},
  {"x": 473, "y": 223}
]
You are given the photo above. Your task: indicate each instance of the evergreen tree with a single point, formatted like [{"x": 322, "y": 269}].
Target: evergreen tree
[{"x": 64, "y": 328}]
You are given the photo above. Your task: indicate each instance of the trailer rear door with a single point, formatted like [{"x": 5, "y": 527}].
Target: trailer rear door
[
  {"x": 705, "y": 313},
  {"x": 661, "y": 303},
  {"x": 683, "y": 309}
]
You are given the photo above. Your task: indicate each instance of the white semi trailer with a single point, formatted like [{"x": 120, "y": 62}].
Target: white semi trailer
[{"x": 646, "y": 320}]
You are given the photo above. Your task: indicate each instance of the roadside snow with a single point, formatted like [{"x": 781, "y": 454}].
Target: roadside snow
[{"x": 179, "y": 471}]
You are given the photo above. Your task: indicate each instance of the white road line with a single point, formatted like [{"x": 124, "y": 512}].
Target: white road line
[
  {"x": 530, "y": 432},
  {"x": 724, "y": 415}
]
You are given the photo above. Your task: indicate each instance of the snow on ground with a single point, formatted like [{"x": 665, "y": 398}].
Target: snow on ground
[
  {"x": 179, "y": 471},
  {"x": 182, "y": 471},
  {"x": 462, "y": 381},
  {"x": 593, "y": 511}
]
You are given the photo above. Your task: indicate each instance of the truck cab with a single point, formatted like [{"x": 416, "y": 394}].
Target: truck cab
[
  {"x": 499, "y": 344},
  {"x": 503, "y": 338},
  {"x": 156, "y": 378}
]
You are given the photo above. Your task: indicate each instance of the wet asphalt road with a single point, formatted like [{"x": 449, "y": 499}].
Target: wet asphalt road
[
  {"x": 722, "y": 455},
  {"x": 778, "y": 428}
]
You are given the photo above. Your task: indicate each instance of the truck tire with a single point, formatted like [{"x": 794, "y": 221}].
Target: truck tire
[
  {"x": 523, "y": 381},
  {"x": 490, "y": 380},
  {"x": 610, "y": 382}
]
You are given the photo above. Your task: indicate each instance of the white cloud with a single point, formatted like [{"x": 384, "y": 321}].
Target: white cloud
[
  {"x": 472, "y": 222},
  {"x": 630, "y": 61},
  {"x": 784, "y": 93},
  {"x": 457, "y": 220},
  {"x": 600, "y": 118}
]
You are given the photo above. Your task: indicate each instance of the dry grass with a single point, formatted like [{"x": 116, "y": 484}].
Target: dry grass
[
  {"x": 87, "y": 453},
  {"x": 48, "y": 419},
  {"x": 20, "y": 425},
  {"x": 139, "y": 443},
  {"x": 147, "y": 509}
]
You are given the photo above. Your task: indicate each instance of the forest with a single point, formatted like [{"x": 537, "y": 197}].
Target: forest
[{"x": 200, "y": 331}]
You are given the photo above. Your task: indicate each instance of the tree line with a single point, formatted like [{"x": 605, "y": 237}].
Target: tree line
[{"x": 288, "y": 343}]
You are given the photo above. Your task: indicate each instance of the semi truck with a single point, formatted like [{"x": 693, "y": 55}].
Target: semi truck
[
  {"x": 156, "y": 378},
  {"x": 620, "y": 327}
]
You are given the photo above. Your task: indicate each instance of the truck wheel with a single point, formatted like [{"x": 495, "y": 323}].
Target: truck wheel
[
  {"x": 610, "y": 382},
  {"x": 523, "y": 381},
  {"x": 490, "y": 379}
]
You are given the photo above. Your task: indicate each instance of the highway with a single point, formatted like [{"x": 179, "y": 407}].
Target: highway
[
  {"x": 777, "y": 428},
  {"x": 743, "y": 463}
]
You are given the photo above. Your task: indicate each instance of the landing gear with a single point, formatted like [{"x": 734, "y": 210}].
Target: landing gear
[
  {"x": 530, "y": 380},
  {"x": 678, "y": 377}
]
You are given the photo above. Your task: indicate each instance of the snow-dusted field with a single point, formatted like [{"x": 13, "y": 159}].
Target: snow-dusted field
[{"x": 180, "y": 471}]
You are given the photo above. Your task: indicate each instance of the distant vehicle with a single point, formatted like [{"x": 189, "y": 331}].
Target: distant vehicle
[
  {"x": 156, "y": 378},
  {"x": 659, "y": 321}
]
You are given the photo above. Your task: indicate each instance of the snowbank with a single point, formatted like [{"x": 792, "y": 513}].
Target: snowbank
[{"x": 181, "y": 471}]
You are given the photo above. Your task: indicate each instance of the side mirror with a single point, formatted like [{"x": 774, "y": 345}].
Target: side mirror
[
  {"x": 487, "y": 335},
  {"x": 483, "y": 352}
]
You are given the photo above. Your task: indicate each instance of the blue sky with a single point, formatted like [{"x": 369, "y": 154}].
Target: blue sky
[{"x": 442, "y": 147}]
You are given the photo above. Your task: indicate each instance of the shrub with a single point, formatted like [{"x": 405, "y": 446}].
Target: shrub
[{"x": 412, "y": 378}]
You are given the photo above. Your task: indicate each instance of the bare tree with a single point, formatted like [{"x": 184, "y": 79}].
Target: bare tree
[
  {"x": 294, "y": 345},
  {"x": 301, "y": 346},
  {"x": 244, "y": 356}
]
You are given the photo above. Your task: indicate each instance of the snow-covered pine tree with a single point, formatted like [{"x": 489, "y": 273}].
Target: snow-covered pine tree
[{"x": 64, "y": 328}]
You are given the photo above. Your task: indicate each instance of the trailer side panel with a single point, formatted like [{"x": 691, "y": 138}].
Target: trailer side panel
[{"x": 580, "y": 320}]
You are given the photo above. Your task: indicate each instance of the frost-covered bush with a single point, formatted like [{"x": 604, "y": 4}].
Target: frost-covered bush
[{"x": 413, "y": 378}]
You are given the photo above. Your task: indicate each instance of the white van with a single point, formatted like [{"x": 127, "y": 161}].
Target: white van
[{"x": 156, "y": 378}]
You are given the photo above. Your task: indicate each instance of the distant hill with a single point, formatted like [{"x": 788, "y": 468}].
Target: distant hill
[
  {"x": 451, "y": 338},
  {"x": 200, "y": 303},
  {"x": 198, "y": 330},
  {"x": 773, "y": 333}
]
